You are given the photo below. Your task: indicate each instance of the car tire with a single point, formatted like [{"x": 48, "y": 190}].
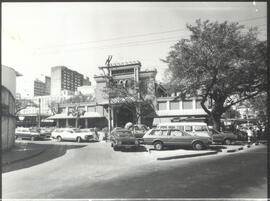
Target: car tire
[
  {"x": 115, "y": 148},
  {"x": 32, "y": 138},
  {"x": 198, "y": 145},
  {"x": 227, "y": 141},
  {"x": 158, "y": 145},
  {"x": 59, "y": 138},
  {"x": 78, "y": 139}
]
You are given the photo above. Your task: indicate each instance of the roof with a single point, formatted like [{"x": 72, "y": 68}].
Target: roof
[
  {"x": 122, "y": 64},
  {"x": 66, "y": 116}
]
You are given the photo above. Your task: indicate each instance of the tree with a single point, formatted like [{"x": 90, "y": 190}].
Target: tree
[
  {"x": 54, "y": 107},
  {"x": 22, "y": 104},
  {"x": 131, "y": 95},
  {"x": 220, "y": 62}
]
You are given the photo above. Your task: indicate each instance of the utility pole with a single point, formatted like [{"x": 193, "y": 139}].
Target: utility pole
[
  {"x": 109, "y": 94},
  {"x": 39, "y": 113}
]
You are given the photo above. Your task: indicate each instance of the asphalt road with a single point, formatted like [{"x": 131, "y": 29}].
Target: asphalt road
[{"x": 95, "y": 171}]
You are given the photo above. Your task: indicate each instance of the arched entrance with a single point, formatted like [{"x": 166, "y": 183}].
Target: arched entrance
[{"x": 122, "y": 116}]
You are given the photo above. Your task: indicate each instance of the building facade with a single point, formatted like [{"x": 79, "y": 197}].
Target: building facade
[
  {"x": 42, "y": 88},
  {"x": 140, "y": 85},
  {"x": 170, "y": 109},
  {"x": 63, "y": 78}
]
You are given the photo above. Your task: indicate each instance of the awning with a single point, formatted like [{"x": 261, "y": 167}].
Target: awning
[
  {"x": 159, "y": 120},
  {"x": 86, "y": 115}
]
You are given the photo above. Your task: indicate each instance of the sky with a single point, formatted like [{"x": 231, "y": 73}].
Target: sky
[{"x": 38, "y": 36}]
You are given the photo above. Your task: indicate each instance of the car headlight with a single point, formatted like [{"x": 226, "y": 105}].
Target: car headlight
[
  {"x": 136, "y": 142},
  {"x": 119, "y": 142}
]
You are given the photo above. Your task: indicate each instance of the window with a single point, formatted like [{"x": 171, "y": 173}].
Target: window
[
  {"x": 171, "y": 126},
  {"x": 162, "y": 106},
  {"x": 198, "y": 104},
  {"x": 180, "y": 127},
  {"x": 187, "y": 104},
  {"x": 188, "y": 128},
  {"x": 200, "y": 128},
  {"x": 161, "y": 132},
  {"x": 91, "y": 109},
  {"x": 174, "y": 105},
  {"x": 176, "y": 133}
]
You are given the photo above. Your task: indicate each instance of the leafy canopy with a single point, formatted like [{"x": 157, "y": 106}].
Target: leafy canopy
[{"x": 220, "y": 61}]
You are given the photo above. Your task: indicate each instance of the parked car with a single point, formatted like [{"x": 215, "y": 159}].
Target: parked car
[
  {"x": 167, "y": 137},
  {"x": 123, "y": 138},
  {"x": 92, "y": 132},
  {"x": 223, "y": 137},
  {"x": 46, "y": 132},
  {"x": 71, "y": 134},
  {"x": 28, "y": 133},
  {"x": 138, "y": 130},
  {"x": 192, "y": 128}
]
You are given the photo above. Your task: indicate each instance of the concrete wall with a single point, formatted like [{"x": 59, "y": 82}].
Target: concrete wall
[
  {"x": 9, "y": 79},
  {"x": 8, "y": 123},
  {"x": 56, "y": 80}
]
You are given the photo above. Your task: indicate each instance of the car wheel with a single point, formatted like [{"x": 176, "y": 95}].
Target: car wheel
[
  {"x": 59, "y": 139},
  {"x": 115, "y": 148},
  {"x": 158, "y": 145},
  {"x": 79, "y": 139},
  {"x": 197, "y": 145},
  {"x": 32, "y": 138},
  {"x": 227, "y": 141}
]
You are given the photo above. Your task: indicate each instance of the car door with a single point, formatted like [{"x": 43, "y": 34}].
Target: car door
[
  {"x": 217, "y": 136},
  {"x": 179, "y": 138}
]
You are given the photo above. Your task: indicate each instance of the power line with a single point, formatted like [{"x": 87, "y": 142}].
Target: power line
[{"x": 136, "y": 35}]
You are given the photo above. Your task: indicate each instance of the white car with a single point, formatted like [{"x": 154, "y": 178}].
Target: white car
[{"x": 71, "y": 134}]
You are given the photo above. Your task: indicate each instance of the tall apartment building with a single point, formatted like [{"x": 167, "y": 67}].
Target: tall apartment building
[
  {"x": 42, "y": 88},
  {"x": 64, "y": 79}
]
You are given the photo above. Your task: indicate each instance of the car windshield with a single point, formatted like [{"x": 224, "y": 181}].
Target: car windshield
[{"x": 124, "y": 134}]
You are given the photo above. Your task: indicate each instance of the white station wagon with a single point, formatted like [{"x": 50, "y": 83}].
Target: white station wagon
[{"x": 71, "y": 134}]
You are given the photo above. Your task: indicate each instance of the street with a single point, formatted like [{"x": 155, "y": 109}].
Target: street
[{"x": 95, "y": 171}]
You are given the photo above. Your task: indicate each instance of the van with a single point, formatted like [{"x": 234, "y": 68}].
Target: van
[{"x": 192, "y": 128}]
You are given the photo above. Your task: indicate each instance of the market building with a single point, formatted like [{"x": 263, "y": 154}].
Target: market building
[{"x": 140, "y": 87}]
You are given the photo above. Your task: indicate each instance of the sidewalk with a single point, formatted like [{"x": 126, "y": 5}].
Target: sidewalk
[
  {"x": 182, "y": 153},
  {"x": 21, "y": 151}
]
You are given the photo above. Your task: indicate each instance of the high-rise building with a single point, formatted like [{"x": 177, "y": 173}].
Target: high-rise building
[
  {"x": 42, "y": 88},
  {"x": 63, "y": 78}
]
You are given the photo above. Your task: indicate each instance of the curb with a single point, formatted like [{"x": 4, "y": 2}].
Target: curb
[
  {"x": 186, "y": 156},
  {"x": 24, "y": 158}
]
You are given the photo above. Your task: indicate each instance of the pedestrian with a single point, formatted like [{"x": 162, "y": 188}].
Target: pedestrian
[{"x": 250, "y": 135}]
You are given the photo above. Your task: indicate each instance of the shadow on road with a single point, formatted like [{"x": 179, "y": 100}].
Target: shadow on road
[
  {"x": 51, "y": 151},
  {"x": 138, "y": 149}
]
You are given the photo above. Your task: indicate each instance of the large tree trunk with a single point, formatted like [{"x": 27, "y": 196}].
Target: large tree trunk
[{"x": 216, "y": 121}]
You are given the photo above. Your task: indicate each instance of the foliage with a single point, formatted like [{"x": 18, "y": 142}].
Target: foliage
[
  {"x": 53, "y": 106},
  {"x": 221, "y": 62},
  {"x": 130, "y": 95},
  {"x": 22, "y": 104}
]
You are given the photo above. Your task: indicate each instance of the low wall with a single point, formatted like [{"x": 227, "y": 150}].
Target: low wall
[{"x": 8, "y": 120}]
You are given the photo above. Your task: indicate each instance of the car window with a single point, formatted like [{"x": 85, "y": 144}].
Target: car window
[
  {"x": 200, "y": 128},
  {"x": 176, "y": 133},
  {"x": 161, "y": 132},
  {"x": 188, "y": 128},
  {"x": 124, "y": 134}
]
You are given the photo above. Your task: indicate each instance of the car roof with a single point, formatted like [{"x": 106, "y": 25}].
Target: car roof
[{"x": 182, "y": 123}]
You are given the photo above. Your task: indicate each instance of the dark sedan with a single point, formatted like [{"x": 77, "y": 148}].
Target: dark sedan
[{"x": 123, "y": 138}]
